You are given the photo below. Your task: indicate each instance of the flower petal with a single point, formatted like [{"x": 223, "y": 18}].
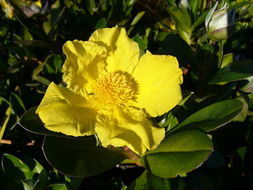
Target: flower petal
[
  {"x": 66, "y": 112},
  {"x": 159, "y": 79},
  {"x": 84, "y": 62},
  {"x": 129, "y": 128},
  {"x": 124, "y": 52}
]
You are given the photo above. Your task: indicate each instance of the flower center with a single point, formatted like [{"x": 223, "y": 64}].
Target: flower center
[{"x": 115, "y": 88}]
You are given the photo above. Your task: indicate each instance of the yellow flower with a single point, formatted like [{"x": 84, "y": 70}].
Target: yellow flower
[{"x": 111, "y": 91}]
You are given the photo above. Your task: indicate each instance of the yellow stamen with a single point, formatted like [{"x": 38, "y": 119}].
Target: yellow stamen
[{"x": 115, "y": 88}]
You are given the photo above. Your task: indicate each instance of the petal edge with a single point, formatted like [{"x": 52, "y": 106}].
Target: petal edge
[{"x": 159, "y": 79}]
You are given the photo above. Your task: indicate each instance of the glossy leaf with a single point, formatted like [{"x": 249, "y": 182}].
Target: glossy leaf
[
  {"x": 80, "y": 156},
  {"x": 227, "y": 59},
  {"x": 17, "y": 104},
  {"x": 101, "y": 23},
  {"x": 6, "y": 120},
  {"x": 27, "y": 184},
  {"x": 242, "y": 152},
  {"x": 148, "y": 181},
  {"x": 57, "y": 60},
  {"x": 33, "y": 164},
  {"x": 137, "y": 18},
  {"x": 244, "y": 111},
  {"x": 173, "y": 45},
  {"x": 225, "y": 75},
  {"x": 142, "y": 45},
  {"x": 199, "y": 20},
  {"x": 15, "y": 168},
  {"x": 181, "y": 17},
  {"x": 8, "y": 183},
  {"x": 237, "y": 71},
  {"x": 169, "y": 121},
  {"x": 42, "y": 181},
  {"x": 32, "y": 123},
  {"x": 213, "y": 116},
  {"x": 178, "y": 154},
  {"x": 194, "y": 4},
  {"x": 247, "y": 85},
  {"x": 58, "y": 186}
]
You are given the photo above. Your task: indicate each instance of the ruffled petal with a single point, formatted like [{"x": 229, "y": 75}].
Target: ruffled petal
[
  {"x": 128, "y": 127},
  {"x": 85, "y": 61},
  {"x": 124, "y": 52},
  {"x": 63, "y": 111},
  {"x": 159, "y": 79}
]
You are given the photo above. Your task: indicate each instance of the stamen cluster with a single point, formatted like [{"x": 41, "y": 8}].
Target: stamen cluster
[{"x": 115, "y": 88}]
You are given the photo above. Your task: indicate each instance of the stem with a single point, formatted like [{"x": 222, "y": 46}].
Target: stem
[{"x": 220, "y": 53}]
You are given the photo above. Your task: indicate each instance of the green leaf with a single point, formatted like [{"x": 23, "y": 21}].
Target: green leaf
[
  {"x": 194, "y": 4},
  {"x": 244, "y": 111},
  {"x": 181, "y": 18},
  {"x": 42, "y": 80},
  {"x": 40, "y": 67},
  {"x": 142, "y": 44},
  {"x": 49, "y": 68},
  {"x": 90, "y": 5},
  {"x": 31, "y": 122},
  {"x": 182, "y": 21},
  {"x": 6, "y": 120},
  {"x": 27, "y": 184},
  {"x": 42, "y": 181},
  {"x": 17, "y": 104},
  {"x": 9, "y": 184},
  {"x": 75, "y": 183},
  {"x": 247, "y": 85},
  {"x": 148, "y": 181},
  {"x": 242, "y": 152},
  {"x": 57, "y": 63},
  {"x": 15, "y": 168},
  {"x": 169, "y": 121},
  {"x": 33, "y": 164},
  {"x": 103, "y": 181},
  {"x": 200, "y": 19},
  {"x": 57, "y": 187},
  {"x": 224, "y": 76},
  {"x": 178, "y": 154},
  {"x": 212, "y": 116},
  {"x": 137, "y": 18},
  {"x": 135, "y": 21},
  {"x": 227, "y": 60},
  {"x": 220, "y": 52},
  {"x": 80, "y": 156},
  {"x": 171, "y": 44},
  {"x": 238, "y": 70},
  {"x": 243, "y": 66},
  {"x": 101, "y": 23}
]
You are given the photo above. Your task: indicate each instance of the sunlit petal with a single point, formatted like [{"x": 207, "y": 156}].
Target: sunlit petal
[
  {"x": 66, "y": 112},
  {"x": 84, "y": 62},
  {"x": 123, "y": 52},
  {"x": 159, "y": 80},
  {"x": 128, "y": 127}
]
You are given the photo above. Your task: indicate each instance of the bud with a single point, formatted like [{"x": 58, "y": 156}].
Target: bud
[{"x": 219, "y": 23}]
